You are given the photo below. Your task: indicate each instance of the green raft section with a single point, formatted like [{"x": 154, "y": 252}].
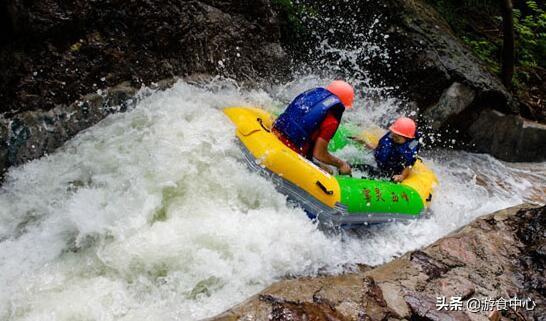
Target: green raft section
[
  {"x": 366, "y": 196},
  {"x": 341, "y": 138},
  {"x": 362, "y": 196}
]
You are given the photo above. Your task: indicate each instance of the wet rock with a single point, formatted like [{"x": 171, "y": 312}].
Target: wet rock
[
  {"x": 374, "y": 307},
  {"x": 395, "y": 300},
  {"x": 453, "y": 101},
  {"x": 429, "y": 265},
  {"x": 424, "y": 307},
  {"x": 533, "y": 260},
  {"x": 301, "y": 311},
  {"x": 459, "y": 249},
  {"x": 496, "y": 256},
  {"x": 445, "y": 60},
  {"x": 32, "y": 134},
  {"x": 3, "y": 146},
  {"x": 418, "y": 55},
  {"x": 457, "y": 286},
  {"x": 508, "y": 137},
  {"x": 55, "y": 52}
]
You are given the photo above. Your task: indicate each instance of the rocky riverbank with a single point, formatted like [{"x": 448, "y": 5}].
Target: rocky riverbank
[{"x": 497, "y": 256}]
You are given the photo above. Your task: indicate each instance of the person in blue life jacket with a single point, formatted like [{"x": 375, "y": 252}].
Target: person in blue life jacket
[
  {"x": 312, "y": 119},
  {"x": 397, "y": 150}
]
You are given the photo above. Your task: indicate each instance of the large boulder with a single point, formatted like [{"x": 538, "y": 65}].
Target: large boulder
[
  {"x": 432, "y": 58},
  {"x": 29, "y": 135},
  {"x": 495, "y": 258},
  {"x": 509, "y": 137},
  {"x": 54, "y": 52},
  {"x": 453, "y": 101}
]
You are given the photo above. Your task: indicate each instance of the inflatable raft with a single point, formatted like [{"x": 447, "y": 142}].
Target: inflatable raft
[{"x": 336, "y": 200}]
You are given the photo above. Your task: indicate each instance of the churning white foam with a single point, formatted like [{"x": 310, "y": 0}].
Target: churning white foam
[{"x": 151, "y": 215}]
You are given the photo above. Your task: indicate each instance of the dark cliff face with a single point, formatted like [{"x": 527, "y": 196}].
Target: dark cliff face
[{"x": 53, "y": 52}]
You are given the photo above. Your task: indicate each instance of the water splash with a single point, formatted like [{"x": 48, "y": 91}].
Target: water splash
[{"x": 150, "y": 213}]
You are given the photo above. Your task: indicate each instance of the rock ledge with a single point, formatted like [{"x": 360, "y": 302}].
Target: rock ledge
[{"x": 497, "y": 256}]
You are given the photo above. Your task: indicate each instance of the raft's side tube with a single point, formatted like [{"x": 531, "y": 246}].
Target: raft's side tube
[{"x": 362, "y": 196}]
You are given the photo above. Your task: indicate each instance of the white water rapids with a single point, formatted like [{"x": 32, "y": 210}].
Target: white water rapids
[{"x": 151, "y": 215}]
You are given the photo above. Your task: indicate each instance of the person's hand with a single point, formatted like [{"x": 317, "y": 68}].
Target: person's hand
[
  {"x": 398, "y": 178},
  {"x": 369, "y": 145},
  {"x": 357, "y": 139},
  {"x": 327, "y": 169},
  {"x": 345, "y": 168},
  {"x": 363, "y": 142}
]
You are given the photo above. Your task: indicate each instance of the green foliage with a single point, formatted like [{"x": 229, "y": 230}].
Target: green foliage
[
  {"x": 288, "y": 8},
  {"x": 291, "y": 14},
  {"x": 529, "y": 28},
  {"x": 486, "y": 50},
  {"x": 530, "y": 32},
  {"x": 296, "y": 32}
]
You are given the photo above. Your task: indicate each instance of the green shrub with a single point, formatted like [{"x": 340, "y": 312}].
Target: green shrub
[
  {"x": 529, "y": 28},
  {"x": 530, "y": 32},
  {"x": 486, "y": 50}
]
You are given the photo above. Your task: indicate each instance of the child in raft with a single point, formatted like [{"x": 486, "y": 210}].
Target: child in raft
[{"x": 396, "y": 151}]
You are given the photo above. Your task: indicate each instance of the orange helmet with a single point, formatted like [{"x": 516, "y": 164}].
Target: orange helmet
[
  {"x": 343, "y": 91},
  {"x": 404, "y": 126}
]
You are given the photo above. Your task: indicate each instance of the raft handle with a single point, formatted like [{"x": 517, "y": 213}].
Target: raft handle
[
  {"x": 261, "y": 122},
  {"x": 429, "y": 198},
  {"x": 324, "y": 189}
]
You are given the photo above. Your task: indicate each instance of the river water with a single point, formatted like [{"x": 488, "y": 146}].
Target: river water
[{"x": 151, "y": 215}]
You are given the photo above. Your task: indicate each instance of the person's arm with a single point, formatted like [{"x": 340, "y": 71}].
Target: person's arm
[
  {"x": 402, "y": 176},
  {"x": 363, "y": 142},
  {"x": 321, "y": 153},
  {"x": 410, "y": 156}
]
